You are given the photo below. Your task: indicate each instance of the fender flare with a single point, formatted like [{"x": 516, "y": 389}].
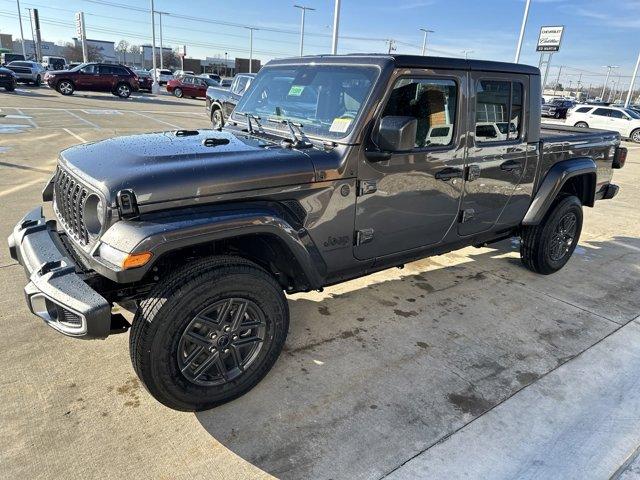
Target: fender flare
[
  {"x": 552, "y": 184},
  {"x": 164, "y": 235},
  {"x": 216, "y": 105}
]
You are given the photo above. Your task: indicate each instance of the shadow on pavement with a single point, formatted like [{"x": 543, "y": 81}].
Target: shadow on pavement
[{"x": 386, "y": 366}]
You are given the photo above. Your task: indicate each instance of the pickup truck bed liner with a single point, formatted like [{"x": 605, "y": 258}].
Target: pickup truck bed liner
[{"x": 550, "y": 133}]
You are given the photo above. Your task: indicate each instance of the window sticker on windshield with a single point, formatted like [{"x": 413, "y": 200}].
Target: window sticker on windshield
[
  {"x": 296, "y": 90},
  {"x": 340, "y": 125}
]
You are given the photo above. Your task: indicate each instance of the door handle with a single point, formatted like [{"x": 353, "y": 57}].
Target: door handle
[
  {"x": 510, "y": 165},
  {"x": 448, "y": 173}
]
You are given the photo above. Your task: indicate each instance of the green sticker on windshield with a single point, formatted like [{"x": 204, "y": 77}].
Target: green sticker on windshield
[{"x": 296, "y": 90}]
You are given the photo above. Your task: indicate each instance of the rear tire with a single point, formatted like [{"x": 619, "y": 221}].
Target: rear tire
[
  {"x": 557, "y": 115},
  {"x": 547, "y": 247},
  {"x": 10, "y": 88},
  {"x": 184, "y": 336},
  {"x": 582, "y": 125},
  {"x": 635, "y": 135},
  {"x": 38, "y": 81},
  {"x": 65, "y": 87},
  {"x": 177, "y": 92}
]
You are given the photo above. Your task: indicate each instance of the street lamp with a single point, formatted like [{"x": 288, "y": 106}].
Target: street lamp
[
  {"x": 251, "y": 29},
  {"x": 24, "y": 51},
  {"x": 303, "y": 10},
  {"x": 424, "y": 40},
  {"x": 633, "y": 81},
  {"x": 161, "y": 45},
  {"x": 336, "y": 25},
  {"x": 155, "y": 87},
  {"x": 522, "y": 28},
  {"x": 604, "y": 87}
]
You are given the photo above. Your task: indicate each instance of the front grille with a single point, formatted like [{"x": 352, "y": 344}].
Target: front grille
[{"x": 70, "y": 197}]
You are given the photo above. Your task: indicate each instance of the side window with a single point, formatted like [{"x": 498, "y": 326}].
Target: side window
[
  {"x": 499, "y": 110},
  {"x": 583, "y": 109},
  {"x": 240, "y": 85},
  {"x": 617, "y": 114},
  {"x": 106, "y": 70},
  {"x": 603, "y": 112},
  {"x": 90, "y": 69},
  {"x": 187, "y": 80},
  {"x": 433, "y": 103}
]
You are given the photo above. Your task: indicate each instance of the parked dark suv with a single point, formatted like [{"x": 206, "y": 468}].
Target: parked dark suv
[{"x": 94, "y": 77}]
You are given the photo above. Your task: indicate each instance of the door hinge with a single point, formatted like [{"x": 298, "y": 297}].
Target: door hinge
[
  {"x": 472, "y": 173},
  {"x": 466, "y": 215},
  {"x": 364, "y": 236},
  {"x": 365, "y": 187}
]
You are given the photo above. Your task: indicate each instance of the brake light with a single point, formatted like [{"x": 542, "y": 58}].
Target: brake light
[{"x": 620, "y": 157}]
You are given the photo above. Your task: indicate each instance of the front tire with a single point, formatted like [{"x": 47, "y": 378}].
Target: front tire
[
  {"x": 635, "y": 135},
  {"x": 582, "y": 125},
  {"x": 216, "y": 119},
  {"x": 123, "y": 90},
  {"x": 65, "y": 87},
  {"x": 177, "y": 92},
  {"x": 38, "y": 81},
  {"x": 547, "y": 247},
  {"x": 209, "y": 333}
]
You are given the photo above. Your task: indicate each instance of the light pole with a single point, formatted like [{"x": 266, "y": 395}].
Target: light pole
[
  {"x": 466, "y": 53},
  {"x": 33, "y": 36},
  {"x": 633, "y": 81},
  {"x": 303, "y": 11},
  {"x": 154, "y": 86},
  {"x": 251, "y": 29},
  {"x": 226, "y": 65},
  {"x": 555, "y": 87},
  {"x": 161, "y": 45},
  {"x": 24, "y": 50},
  {"x": 604, "y": 87},
  {"x": 522, "y": 28},
  {"x": 424, "y": 40},
  {"x": 336, "y": 26}
]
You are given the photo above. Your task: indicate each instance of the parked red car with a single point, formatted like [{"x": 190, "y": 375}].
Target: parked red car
[
  {"x": 145, "y": 81},
  {"x": 190, "y": 86},
  {"x": 94, "y": 77}
]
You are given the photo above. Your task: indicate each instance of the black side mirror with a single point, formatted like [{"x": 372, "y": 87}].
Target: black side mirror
[{"x": 397, "y": 134}]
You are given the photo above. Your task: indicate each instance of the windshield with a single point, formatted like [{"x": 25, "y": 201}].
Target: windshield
[
  {"x": 77, "y": 67},
  {"x": 324, "y": 99},
  {"x": 632, "y": 113}
]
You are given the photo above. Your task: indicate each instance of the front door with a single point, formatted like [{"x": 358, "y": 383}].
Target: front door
[
  {"x": 88, "y": 78},
  {"x": 411, "y": 199},
  {"x": 600, "y": 118},
  {"x": 497, "y": 158}
]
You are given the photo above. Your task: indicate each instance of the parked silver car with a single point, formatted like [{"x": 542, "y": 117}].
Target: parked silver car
[{"x": 27, "y": 71}]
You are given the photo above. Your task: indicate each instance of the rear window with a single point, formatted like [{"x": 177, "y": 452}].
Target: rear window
[{"x": 165, "y": 72}]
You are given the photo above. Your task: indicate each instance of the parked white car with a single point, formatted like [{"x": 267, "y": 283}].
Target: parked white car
[
  {"x": 625, "y": 121},
  {"x": 162, "y": 75}
]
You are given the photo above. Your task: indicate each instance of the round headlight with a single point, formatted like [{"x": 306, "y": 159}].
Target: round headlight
[{"x": 94, "y": 214}]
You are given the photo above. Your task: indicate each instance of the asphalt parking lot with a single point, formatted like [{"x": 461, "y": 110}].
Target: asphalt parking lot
[{"x": 464, "y": 365}]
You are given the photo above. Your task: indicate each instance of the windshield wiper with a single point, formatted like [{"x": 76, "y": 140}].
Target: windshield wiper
[
  {"x": 299, "y": 140},
  {"x": 250, "y": 116}
]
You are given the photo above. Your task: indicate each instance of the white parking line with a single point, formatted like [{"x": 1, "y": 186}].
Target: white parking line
[
  {"x": 82, "y": 119},
  {"x": 75, "y": 135},
  {"x": 156, "y": 120},
  {"x": 170, "y": 112},
  {"x": 27, "y": 118},
  {"x": 17, "y": 188}
]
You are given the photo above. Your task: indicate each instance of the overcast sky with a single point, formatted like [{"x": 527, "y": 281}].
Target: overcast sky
[{"x": 598, "y": 32}]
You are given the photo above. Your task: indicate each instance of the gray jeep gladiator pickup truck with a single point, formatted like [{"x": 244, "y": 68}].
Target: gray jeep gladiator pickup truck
[{"x": 329, "y": 168}]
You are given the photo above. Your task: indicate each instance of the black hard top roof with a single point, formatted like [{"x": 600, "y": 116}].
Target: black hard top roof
[{"x": 414, "y": 61}]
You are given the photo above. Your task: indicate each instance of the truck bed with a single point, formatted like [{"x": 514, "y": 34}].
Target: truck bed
[{"x": 563, "y": 142}]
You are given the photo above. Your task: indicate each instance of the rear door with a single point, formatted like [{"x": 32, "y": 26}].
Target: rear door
[
  {"x": 411, "y": 199},
  {"x": 497, "y": 157},
  {"x": 599, "y": 118}
]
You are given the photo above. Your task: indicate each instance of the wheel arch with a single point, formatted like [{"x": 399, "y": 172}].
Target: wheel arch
[
  {"x": 575, "y": 176},
  {"x": 262, "y": 236}
]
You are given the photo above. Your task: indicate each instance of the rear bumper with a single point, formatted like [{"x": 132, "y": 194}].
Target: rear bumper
[{"x": 56, "y": 292}]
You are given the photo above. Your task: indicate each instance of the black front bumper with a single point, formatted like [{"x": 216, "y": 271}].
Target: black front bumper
[
  {"x": 8, "y": 82},
  {"x": 56, "y": 292}
]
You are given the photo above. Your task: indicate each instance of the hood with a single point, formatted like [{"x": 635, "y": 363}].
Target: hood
[{"x": 161, "y": 167}]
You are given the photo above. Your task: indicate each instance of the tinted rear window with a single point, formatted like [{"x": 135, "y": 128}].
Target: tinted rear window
[{"x": 583, "y": 109}]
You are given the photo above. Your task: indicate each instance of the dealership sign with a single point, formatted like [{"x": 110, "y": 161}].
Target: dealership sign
[{"x": 550, "y": 39}]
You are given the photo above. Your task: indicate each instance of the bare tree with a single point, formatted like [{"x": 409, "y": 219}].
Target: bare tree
[
  {"x": 73, "y": 52},
  {"x": 122, "y": 48}
]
